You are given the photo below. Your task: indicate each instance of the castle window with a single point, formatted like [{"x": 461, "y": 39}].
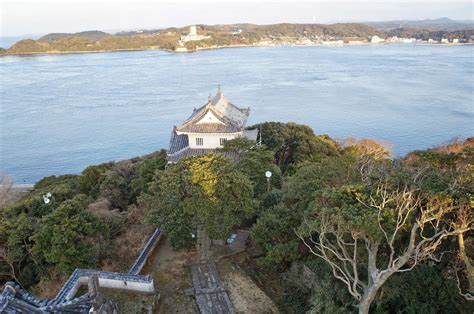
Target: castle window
[
  {"x": 199, "y": 141},
  {"x": 223, "y": 140}
]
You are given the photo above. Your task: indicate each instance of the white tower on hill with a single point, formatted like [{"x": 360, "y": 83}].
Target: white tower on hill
[{"x": 193, "y": 30}]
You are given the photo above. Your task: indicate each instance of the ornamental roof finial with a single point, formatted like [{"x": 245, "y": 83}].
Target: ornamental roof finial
[
  {"x": 209, "y": 97},
  {"x": 218, "y": 88}
]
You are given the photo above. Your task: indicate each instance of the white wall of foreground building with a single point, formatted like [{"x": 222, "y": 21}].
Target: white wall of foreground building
[{"x": 211, "y": 140}]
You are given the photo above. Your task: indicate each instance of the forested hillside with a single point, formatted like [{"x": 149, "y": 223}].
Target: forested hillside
[
  {"x": 339, "y": 227},
  {"x": 220, "y": 36}
]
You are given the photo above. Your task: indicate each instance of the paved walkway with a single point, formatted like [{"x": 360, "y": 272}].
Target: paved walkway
[{"x": 211, "y": 297}]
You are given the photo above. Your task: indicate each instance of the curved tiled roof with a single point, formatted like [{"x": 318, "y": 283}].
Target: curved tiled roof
[
  {"x": 191, "y": 152},
  {"x": 177, "y": 142},
  {"x": 232, "y": 118},
  {"x": 209, "y": 128},
  {"x": 229, "y": 110}
]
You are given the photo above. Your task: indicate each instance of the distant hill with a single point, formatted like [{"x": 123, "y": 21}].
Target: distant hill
[
  {"x": 425, "y": 34},
  {"x": 221, "y": 36},
  {"x": 281, "y": 30},
  {"x": 95, "y": 35},
  {"x": 444, "y": 24}
]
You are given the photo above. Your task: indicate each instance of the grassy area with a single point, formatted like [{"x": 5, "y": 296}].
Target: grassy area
[
  {"x": 170, "y": 269},
  {"x": 129, "y": 302}
]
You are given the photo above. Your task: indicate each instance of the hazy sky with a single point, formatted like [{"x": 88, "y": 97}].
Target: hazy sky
[{"x": 19, "y": 17}]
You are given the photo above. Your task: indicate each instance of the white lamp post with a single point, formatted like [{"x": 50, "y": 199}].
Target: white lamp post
[
  {"x": 268, "y": 174},
  {"x": 47, "y": 198}
]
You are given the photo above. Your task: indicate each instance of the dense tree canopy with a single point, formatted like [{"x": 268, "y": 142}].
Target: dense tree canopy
[
  {"x": 65, "y": 237},
  {"x": 208, "y": 192},
  {"x": 254, "y": 160},
  {"x": 293, "y": 143},
  {"x": 274, "y": 231},
  {"x": 80, "y": 224},
  {"x": 358, "y": 225}
]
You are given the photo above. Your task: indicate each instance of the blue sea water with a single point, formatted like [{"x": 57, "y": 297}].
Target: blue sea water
[{"x": 60, "y": 113}]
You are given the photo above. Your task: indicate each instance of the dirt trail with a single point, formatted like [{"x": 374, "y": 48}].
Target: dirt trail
[
  {"x": 170, "y": 270},
  {"x": 245, "y": 295}
]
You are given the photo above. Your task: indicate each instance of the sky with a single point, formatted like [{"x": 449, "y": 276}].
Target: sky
[{"x": 23, "y": 17}]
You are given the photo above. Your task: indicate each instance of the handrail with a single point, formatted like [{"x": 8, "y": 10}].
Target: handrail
[{"x": 141, "y": 259}]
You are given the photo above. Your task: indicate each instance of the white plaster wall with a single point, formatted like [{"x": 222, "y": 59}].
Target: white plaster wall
[
  {"x": 148, "y": 287},
  {"x": 211, "y": 141},
  {"x": 209, "y": 117},
  {"x": 127, "y": 285},
  {"x": 73, "y": 291}
]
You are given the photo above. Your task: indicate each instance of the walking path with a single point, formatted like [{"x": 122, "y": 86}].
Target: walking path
[{"x": 211, "y": 297}]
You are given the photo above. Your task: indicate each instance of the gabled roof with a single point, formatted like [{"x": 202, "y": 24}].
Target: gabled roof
[{"x": 232, "y": 118}]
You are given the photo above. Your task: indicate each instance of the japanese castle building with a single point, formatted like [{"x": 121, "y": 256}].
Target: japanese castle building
[{"x": 208, "y": 128}]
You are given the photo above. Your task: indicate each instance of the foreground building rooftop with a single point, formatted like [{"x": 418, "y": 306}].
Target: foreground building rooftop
[{"x": 208, "y": 128}]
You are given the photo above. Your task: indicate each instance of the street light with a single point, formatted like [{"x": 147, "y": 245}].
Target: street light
[
  {"x": 47, "y": 198},
  {"x": 268, "y": 174}
]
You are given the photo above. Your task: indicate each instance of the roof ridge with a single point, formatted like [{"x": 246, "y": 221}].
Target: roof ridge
[
  {"x": 198, "y": 117},
  {"x": 221, "y": 94}
]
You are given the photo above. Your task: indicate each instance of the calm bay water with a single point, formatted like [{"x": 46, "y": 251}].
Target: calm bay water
[{"x": 60, "y": 113}]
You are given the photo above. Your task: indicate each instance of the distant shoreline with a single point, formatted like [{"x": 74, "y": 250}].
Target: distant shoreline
[{"x": 224, "y": 47}]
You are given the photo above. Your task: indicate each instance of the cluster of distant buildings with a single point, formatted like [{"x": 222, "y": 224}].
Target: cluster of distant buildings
[
  {"x": 334, "y": 41},
  {"x": 396, "y": 40},
  {"x": 325, "y": 40}
]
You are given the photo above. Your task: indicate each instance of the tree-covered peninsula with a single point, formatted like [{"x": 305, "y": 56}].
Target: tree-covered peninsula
[
  {"x": 339, "y": 227},
  {"x": 229, "y": 35}
]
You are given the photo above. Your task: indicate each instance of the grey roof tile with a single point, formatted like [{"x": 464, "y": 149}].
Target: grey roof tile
[{"x": 232, "y": 117}]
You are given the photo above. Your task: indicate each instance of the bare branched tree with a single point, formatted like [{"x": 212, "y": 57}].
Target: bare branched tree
[
  {"x": 369, "y": 153},
  {"x": 464, "y": 218},
  {"x": 353, "y": 253},
  {"x": 6, "y": 190}
]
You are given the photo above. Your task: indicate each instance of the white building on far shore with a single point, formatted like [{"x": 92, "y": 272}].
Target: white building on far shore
[
  {"x": 376, "y": 40},
  {"x": 193, "y": 35},
  {"x": 332, "y": 42}
]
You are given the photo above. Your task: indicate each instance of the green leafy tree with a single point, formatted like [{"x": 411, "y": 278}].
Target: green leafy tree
[
  {"x": 15, "y": 233},
  {"x": 254, "y": 160},
  {"x": 115, "y": 188},
  {"x": 147, "y": 170},
  {"x": 366, "y": 235},
  {"x": 66, "y": 237},
  {"x": 448, "y": 170},
  {"x": 274, "y": 232},
  {"x": 328, "y": 293},
  {"x": 91, "y": 179},
  {"x": 311, "y": 177},
  {"x": 204, "y": 192},
  {"x": 421, "y": 291},
  {"x": 293, "y": 143},
  {"x": 168, "y": 204}
]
